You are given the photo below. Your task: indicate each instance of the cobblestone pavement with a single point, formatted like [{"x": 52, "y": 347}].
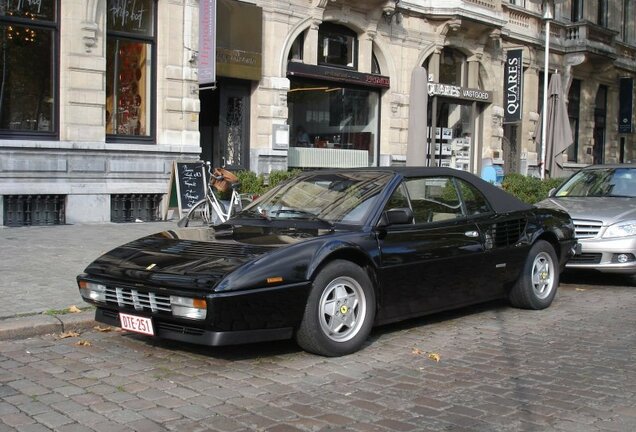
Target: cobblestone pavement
[
  {"x": 568, "y": 368},
  {"x": 38, "y": 264}
]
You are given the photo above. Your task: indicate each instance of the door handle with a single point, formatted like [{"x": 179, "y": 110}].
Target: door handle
[{"x": 472, "y": 234}]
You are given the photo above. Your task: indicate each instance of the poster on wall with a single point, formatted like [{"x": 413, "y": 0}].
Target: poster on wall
[{"x": 513, "y": 86}]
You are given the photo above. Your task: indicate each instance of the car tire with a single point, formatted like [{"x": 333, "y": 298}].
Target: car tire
[
  {"x": 340, "y": 311},
  {"x": 539, "y": 280}
]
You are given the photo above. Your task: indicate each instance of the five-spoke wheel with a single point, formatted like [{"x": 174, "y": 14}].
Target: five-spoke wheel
[
  {"x": 538, "y": 282},
  {"x": 339, "y": 312}
]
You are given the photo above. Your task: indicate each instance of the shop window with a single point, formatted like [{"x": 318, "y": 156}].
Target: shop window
[
  {"x": 296, "y": 52},
  {"x": 334, "y": 116},
  {"x": 130, "y": 58},
  {"x": 28, "y": 68},
  {"x": 375, "y": 65},
  {"x": 337, "y": 46},
  {"x": 452, "y": 67}
]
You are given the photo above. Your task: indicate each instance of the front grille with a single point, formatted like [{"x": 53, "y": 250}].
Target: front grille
[
  {"x": 587, "y": 228},
  {"x": 176, "y": 328},
  {"x": 141, "y": 301},
  {"x": 586, "y": 258}
]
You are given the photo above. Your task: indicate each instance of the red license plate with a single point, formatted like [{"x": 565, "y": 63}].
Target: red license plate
[{"x": 136, "y": 324}]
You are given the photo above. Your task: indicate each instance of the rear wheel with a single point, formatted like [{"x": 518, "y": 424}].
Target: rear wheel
[
  {"x": 538, "y": 282},
  {"x": 340, "y": 311}
]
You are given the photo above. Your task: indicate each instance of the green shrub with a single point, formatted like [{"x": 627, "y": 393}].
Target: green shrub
[
  {"x": 529, "y": 189},
  {"x": 277, "y": 176},
  {"x": 251, "y": 183}
]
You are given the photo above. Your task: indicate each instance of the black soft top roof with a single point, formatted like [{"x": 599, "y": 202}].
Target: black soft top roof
[{"x": 500, "y": 200}]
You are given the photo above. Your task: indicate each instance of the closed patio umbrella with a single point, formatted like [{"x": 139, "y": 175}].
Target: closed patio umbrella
[
  {"x": 416, "y": 147},
  {"x": 558, "y": 136}
]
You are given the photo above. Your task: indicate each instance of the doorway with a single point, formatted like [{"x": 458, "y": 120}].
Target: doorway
[
  {"x": 600, "y": 115},
  {"x": 224, "y": 124}
]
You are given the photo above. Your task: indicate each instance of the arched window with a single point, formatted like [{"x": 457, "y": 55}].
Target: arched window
[
  {"x": 337, "y": 46},
  {"x": 452, "y": 67}
]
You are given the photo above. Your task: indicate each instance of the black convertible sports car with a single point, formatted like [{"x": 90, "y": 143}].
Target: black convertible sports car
[{"x": 329, "y": 254}]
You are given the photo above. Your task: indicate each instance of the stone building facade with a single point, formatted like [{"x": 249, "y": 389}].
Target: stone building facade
[
  {"x": 68, "y": 155},
  {"x": 300, "y": 84}
]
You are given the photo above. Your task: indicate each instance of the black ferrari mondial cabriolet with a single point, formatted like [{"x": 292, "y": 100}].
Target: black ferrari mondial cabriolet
[{"x": 329, "y": 254}]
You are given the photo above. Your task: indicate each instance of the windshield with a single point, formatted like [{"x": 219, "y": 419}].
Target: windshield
[
  {"x": 326, "y": 197},
  {"x": 602, "y": 182}
]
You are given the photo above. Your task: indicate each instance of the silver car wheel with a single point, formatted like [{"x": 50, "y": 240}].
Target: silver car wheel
[
  {"x": 543, "y": 274},
  {"x": 342, "y": 309}
]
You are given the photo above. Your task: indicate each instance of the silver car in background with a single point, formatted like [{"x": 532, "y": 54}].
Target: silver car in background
[{"x": 601, "y": 199}]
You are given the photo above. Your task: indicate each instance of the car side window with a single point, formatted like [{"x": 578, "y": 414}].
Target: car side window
[
  {"x": 398, "y": 199},
  {"x": 434, "y": 199},
  {"x": 474, "y": 200}
]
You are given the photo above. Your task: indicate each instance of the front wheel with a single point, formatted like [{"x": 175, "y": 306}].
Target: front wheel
[
  {"x": 340, "y": 311},
  {"x": 538, "y": 282},
  {"x": 202, "y": 214}
]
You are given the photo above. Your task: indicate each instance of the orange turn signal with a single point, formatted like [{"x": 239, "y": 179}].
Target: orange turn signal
[
  {"x": 276, "y": 279},
  {"x": 199, "y": 303}
]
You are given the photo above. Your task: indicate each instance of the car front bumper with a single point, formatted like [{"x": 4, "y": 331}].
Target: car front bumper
[{"x": 603, "y": 255}]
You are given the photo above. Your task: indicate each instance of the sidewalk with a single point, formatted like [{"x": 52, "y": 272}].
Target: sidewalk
[{"x": 38, "y": 266}]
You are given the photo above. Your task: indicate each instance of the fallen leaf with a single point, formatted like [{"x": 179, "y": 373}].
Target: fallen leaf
[
  {"x": 434, "y": 357},
  {"x": 417, "y": 351},
  {"x": 74, "y": 309},
  {"x": 83, "y": 343},
  {"x": 68, "y": 334},
  {"x": 580, "y": 289},
  {"x": 103, "y": 329}
]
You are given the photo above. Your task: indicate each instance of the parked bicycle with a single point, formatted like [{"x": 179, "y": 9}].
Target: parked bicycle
[{"x": 211, "y": 209}]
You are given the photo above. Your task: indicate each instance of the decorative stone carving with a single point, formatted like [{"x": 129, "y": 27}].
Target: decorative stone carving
[{"x": 90, "y": 27}]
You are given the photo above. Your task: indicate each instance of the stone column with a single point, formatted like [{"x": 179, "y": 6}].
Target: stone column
[{"x": 310, "y": 47}]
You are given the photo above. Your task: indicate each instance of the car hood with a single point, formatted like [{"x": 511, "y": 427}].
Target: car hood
[
  {"x": 606, "y": 209},
  {"x": 193, "y": 258}
]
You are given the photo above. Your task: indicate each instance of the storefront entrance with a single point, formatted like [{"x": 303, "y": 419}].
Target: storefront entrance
[
  {"x": 224, "y": 124},
  {"x": 454, "y": 110}
]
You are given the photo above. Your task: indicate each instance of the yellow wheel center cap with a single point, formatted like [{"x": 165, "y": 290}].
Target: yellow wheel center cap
[{"x": 344, "y": 309}]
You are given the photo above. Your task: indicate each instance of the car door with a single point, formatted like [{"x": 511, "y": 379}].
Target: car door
[{"x": 434, "y": 262}]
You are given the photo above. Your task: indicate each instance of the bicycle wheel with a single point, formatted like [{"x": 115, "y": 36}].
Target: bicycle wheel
[{"x": 202, "y": 214}]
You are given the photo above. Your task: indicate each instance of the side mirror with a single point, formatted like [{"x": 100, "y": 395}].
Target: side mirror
[
  {"x": 397, "y": 216},
  {"x": 551, "y": 192}
]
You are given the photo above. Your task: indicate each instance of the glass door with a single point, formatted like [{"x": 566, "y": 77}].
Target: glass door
[{"x": 234, "y": 127}]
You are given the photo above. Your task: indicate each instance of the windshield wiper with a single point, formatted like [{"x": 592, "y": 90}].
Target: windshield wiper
[{"x": 305, "y": 215}]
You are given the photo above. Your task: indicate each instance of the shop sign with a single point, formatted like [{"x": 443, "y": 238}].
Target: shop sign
[
  {"x": 336, "y": 74},
  {"x": 207, "y": 41},
  {"x": 131, "y": 16},
  {"x": 239, "y": 40},
  {"x": 446, "y": 90},
  {"x": 513, "y": 86},
  {"x": 626, "y": 103},
  {"x": 29, "y": 9}
]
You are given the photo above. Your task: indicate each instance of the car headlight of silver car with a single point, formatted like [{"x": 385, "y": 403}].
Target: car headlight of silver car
[{"x": 621, "y": 229}]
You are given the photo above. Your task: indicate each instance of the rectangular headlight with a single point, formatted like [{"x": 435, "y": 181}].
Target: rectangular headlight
[
  {"x": 187, "y": 307},
  {"x": 92, "y": 291}
]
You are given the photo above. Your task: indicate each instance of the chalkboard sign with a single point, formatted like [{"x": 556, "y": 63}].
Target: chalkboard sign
[{"x": 189, "y": 180}]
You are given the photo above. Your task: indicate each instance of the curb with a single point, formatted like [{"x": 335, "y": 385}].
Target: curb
[{"x": 37, "y": 325}]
